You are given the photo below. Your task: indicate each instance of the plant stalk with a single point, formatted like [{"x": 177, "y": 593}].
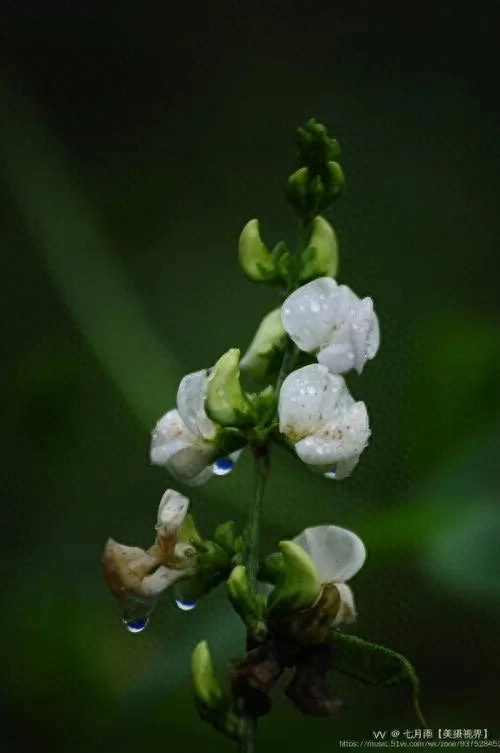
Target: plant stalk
[{"x": 261, "y": 457}]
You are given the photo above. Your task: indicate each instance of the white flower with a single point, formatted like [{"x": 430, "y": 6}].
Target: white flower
[
  {"x": 135, "y": 576},
  {"x": 318, "y": 415},
  {"x": 185, "y": 441},
  {"x": 338, "y": 555},
  {"x": 331, "y": 321}
]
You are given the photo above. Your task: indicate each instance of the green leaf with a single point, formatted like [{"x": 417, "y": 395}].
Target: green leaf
[{"x": 374, "y": 665}]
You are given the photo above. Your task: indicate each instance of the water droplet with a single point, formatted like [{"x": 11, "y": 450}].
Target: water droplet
[
  {"x": 220, "y": 392},
  {"x": 332, "y": 473},
  {"x": 135, "y": 624},
  {"x": 223, "y": 466},
  {"x": 185, "y": 605},
  {"x": 315, "y": 307}
]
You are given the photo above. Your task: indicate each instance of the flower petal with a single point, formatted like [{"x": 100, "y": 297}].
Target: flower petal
[
  {"x": 309, "y": 398},
  {"x": 191, "y": 404},
  {"x": 365, "y": 333},
  {"x": 310, "y": 314},
  {"x": 347, "y": 609},
  {"x": 337, "y": 553},
  {"x": 171, "y": 513},
  {"x": 340, "y": 440},
  {"x": 185, "y": 455},
  {"x": 134, "y": 576}
]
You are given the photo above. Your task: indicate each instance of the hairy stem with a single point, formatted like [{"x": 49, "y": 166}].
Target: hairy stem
[{"x": 261, "y": 456}]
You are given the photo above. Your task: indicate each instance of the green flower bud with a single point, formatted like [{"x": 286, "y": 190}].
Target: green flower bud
[
  {"x": 298, "y": 585},
  {"x": 272, "y": 568},
  {"x": 207, "y": 690},
  {"x": 336, "y": 180},
  {"x": 263, "y": 357},
  {"x": 225, "y": 536},
  {"x": 315, "y": 146},
  {"x": 226, "y": 403},
  {"x": 255, "y": 258},
  {"x": 249, "y": 607},
  {"x": 297, "y": 189},
  {"x": 320, "y": 258}
]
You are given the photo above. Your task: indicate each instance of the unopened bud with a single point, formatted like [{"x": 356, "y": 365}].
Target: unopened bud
[
  {"x": 255, "y": 258},
  {"x": 299, "y": 585},
  {"x": 207, "y": 690},
  {"x": 320, "y": 258},
  {"x": 263, "y": 357},
  {"x": 226, "y": 402}
]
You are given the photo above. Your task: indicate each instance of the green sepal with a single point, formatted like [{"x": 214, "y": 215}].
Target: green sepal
[
  {"x": 298, "y": 585},
  {"x": 225, "y": 536},
  {"x": 264, "y": 403},
  {"x": 320, "y": 257},
  {"x": 374, "y": 665},
  {"x": 226, "y": 403},
  {"x": 213, "y": 565}
]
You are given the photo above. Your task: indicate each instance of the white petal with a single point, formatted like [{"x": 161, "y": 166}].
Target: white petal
[
  {"x": 191, "y": 404},
  {"x": 337, "y": 553},
  {"x": 153, "y": 585},
  {"x": 310, "y": 314},
  {"x": 340, "y": 440},
  {"x": 338, "y": 357},
  {"x": 171, "y": 511},
  {"x": 309, "y": 398},
  {"x": 347, "y": 609},
  {"x": 184, "y": 455},
  {"x": 365, "y": 333}
]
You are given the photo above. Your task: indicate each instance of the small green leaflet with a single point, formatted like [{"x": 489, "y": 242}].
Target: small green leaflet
[{"x": 375, "y": 665}]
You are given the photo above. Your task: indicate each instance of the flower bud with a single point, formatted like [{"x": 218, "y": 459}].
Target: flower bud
[
  {"x": 263, "y": 357},
  {"x": 250, "y": 607},
  {"x": 299, "y": 585},
  {"x": 255, "y": 258},
  {"x": 336, "y": 179},
  {"x": 320, "y": 258},
  {"x": 225, "y": 535},
  {"x": 226, "y": 402},
  {"x": 297, "y": 188},
  {"x": 207, "y": 690}
]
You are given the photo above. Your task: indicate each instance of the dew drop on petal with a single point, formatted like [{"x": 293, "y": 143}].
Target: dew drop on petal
[
  {"x": 315, "y": 307},
  {"x": 332, "y": 473},
  {"x": 223, "y": 466},
  {"x": 185, "y": 605},
  {"x": 135, "y": 624}
]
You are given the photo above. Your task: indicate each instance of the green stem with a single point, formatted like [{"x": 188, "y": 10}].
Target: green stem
[{"x": 261, "y": 456}]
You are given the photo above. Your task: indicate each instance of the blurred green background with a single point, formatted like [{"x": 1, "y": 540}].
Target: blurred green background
[{"x": 137, "y": 139}]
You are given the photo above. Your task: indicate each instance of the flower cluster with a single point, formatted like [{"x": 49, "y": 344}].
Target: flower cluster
[
  {"x": 318, "y": 417},
  {"x": 289, "y": 389}
]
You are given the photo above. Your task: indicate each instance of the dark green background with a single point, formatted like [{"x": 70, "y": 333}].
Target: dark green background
[{"x": 137, "y": 139}]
